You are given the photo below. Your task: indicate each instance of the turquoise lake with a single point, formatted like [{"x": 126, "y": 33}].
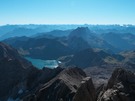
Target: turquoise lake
[{"x": 43, "y": 63}]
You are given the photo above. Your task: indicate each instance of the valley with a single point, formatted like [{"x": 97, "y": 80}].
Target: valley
[{"x": 75, "y": 64}]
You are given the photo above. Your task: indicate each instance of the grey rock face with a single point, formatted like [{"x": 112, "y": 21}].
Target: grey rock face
[
  {"x": 121, "y": 87},
  {"x": 86, "y": 92},
  {"x": 61, "y": 88}
]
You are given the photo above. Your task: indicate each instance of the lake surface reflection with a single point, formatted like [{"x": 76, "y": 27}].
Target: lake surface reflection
[{"x": 43, "y": 63}]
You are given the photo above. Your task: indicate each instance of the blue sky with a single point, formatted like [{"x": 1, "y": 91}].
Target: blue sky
[{"x": 67, "y": 12}]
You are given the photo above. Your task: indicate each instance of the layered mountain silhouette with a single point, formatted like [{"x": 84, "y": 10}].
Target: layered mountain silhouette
[
  {"x": 42, "y": 48},
  {"x": 99, "y": 29},
  {"x": 91, "y": 69},
  {"x": 77, "y": 49},
  {"x": 83, "y": 38},
  {"x": 53, "y": 48}
]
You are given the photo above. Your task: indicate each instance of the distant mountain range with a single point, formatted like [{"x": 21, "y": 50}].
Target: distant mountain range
[
  {"x": 8, "y": 31},
  {"x": 71, "y": 41}
]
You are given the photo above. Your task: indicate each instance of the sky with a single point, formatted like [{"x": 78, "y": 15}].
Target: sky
[{"x": 67, "y": 12}]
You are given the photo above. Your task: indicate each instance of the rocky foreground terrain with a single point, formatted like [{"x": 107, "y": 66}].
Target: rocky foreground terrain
[
  {"x": 73, "y": 85},
  {"x": 20, "y": 81}
]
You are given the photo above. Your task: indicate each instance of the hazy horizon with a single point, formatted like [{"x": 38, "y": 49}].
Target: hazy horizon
[
  {"x": 102, "y": 12},
  {"x": 68, "y": 24}
]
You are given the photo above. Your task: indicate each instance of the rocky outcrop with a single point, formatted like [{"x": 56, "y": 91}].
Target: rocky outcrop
[
  {"x": 69, "y": 85},
  {"x": 121, "y": 87},
  {"x": 61, "y": 88},
  {"x": 37, "y": 78},
  {"x": 86, "y": 92}
]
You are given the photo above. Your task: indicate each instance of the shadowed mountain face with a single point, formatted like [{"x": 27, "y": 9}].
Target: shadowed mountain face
[
  {"x": 7, "y": 52},
  {"x": 18, "y": 76},
  {"x": 13, "y": 69}
]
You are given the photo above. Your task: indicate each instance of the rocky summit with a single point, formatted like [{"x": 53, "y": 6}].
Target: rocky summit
[{"x": 61, "y": 88}]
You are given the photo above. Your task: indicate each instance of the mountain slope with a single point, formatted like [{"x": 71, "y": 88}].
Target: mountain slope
[
  {"x": 13, "y": 69},
  {"x": 89, "y": 58},
  {"x": 89, "y": 39},
  {"x": 122, "y": 41},
  {"x": 7, "y": 52}
]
